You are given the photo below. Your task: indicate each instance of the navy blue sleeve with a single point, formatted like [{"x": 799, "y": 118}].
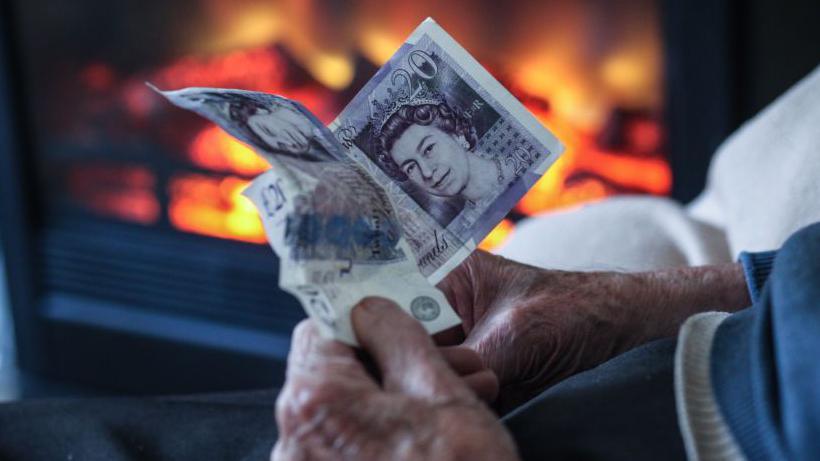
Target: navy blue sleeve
[
  {"x": 756, "y": 268},
  {"x": 764, "y": 366}
]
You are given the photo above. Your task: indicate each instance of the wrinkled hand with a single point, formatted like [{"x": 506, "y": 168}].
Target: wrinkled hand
[
  {"x": 534, "y": 327},
  {"x": 332, "y": 408}
]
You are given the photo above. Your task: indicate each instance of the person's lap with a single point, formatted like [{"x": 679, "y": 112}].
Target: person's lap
[
  {"x": 200, "y": 427},
  {"x": 623, "y": 409}
]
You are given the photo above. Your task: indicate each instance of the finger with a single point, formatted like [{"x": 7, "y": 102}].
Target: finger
[
  {"x": 318, "y": 370},
  {"x": 457, "y": 285},
  {"x": 322, "y": 358},
  {"x": 462, "y": 360},
  {"x": 281, "y": 452},
  {"x": 484, "y": 383},
  {"x": 460, "y": 289},
  {"x": 403, "y": 351},
  {"x": 467, "y": 364}
]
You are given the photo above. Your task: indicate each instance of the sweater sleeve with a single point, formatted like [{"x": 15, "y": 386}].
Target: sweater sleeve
[{"x": 756, "y": 268}]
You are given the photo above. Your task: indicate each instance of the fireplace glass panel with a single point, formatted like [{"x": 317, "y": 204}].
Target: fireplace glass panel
[{"x": 110, "y": 149}]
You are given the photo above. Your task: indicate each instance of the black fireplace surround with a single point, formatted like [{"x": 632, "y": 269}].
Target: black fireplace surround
[{"x": 126, "y": 310}]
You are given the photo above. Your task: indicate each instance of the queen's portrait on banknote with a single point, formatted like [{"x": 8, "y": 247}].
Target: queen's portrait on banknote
[
  {"x": 435, "y": 147},
  {"x": 271, "y": 125},
  {"x": 438, "y": 138}
]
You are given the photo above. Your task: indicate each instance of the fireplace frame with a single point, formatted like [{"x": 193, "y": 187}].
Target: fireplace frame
[{"x": 178, "y": 336}]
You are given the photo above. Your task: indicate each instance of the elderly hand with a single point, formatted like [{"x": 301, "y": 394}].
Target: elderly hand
[
  {"x": 534, "y": 327},
  {"x": 332, "y": 408}
]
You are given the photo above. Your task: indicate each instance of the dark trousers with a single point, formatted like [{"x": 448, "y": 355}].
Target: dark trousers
[{"x": 624, "y": 409}]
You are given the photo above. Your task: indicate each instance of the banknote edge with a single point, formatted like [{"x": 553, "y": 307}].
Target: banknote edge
[{"x": 486, "y": 80}]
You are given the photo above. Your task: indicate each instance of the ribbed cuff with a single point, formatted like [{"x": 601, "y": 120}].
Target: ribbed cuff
[
  {"x": 706, "y": 433},
  {"x": 756, "y": 268}
]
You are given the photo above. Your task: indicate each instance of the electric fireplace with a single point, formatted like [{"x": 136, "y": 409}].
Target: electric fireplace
[{"x": 135, "y": 263}]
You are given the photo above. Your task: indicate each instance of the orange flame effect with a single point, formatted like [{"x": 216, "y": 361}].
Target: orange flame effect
[
  {"x": 126, "y": 192},
  {"x": 650, "y": 174},
  {"x": 215, "y": 207},
  {"x": 214, "y": 149},
  {"x": 549, "y": 55},
  {"x": 497, "y": 236}
]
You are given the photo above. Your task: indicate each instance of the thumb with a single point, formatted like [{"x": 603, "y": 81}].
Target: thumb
[{"x": 403, "y": 351}]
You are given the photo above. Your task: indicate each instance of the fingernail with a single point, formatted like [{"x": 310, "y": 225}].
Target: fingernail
[
  {"x": 362, "y": 317},
  {"x": 373, "y": 306},
  {"x": 365, "y": 308}
]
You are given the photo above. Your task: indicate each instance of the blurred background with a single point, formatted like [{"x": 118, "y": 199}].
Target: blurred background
[{"x": 134, "y": 265}]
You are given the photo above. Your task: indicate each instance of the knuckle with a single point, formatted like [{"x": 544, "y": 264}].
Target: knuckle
[
  {"x": 302, "y": 343},
  {"x": 313, "y": 402},
  {"x": 286, "y": 414},
  {"x": 282, "y": 411},
  {"x": 302, "y": 401},
  {"x": 303, "y": 330}
]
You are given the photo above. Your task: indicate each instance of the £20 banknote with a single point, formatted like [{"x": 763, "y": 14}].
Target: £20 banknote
[{"x": 428, "y": 157}]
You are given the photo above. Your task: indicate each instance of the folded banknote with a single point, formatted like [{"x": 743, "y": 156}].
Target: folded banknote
[{"x": 428, "y": 157}]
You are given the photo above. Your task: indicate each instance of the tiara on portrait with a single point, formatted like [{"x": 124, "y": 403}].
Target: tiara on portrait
[{"x": 382, "y": 110}]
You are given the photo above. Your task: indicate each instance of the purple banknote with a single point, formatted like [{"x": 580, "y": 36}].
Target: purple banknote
[{"x": 453, "y": 149}]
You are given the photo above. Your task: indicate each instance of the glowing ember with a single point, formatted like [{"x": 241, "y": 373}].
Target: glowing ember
[
  {"x": 497, "y": 236},
  {"x": 332, "y": 70},
  {"x": 125, "y": 192},
  {"x": 215, "y": 207},
  {"x": 586, "y": 172},
  {"x": 214, "y": 149},
  {"x": 259, "y": 69},
  {"x": 97, "y": 76}
]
